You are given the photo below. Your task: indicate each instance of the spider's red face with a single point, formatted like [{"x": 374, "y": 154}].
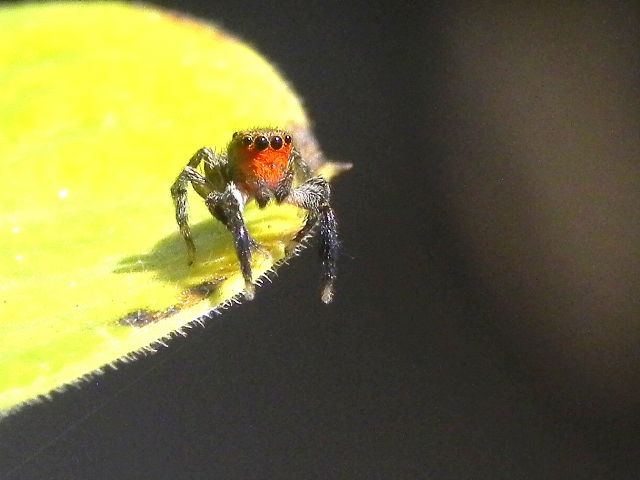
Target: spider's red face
[{"x": 261, "y": 155}]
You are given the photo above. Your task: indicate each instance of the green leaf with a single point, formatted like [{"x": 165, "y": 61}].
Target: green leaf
[{"x": 101, "y": 105}]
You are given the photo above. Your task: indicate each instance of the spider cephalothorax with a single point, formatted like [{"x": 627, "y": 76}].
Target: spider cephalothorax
[
  {"x": 260, "y": 157},
  {"x": 265, "y": 165}
]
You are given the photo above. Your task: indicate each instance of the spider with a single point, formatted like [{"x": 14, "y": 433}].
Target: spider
[{"x": 265, "y": 165}]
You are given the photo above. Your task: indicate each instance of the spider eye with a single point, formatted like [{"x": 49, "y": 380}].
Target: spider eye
[
  {"x": 276, "y": 143},
  {"x": 287, "y": 139},
  {"x": 235, "y": 134},
  {"x": 261, "y": 142},
  {"x": 246, "y": 141}
]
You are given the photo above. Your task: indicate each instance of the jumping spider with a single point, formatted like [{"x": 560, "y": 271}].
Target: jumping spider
[{"x": 259, "y": 164}]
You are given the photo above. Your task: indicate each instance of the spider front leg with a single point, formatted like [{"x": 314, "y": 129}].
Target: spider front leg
[
  {"x": 313, "y": 195},
  {"x": 227, "y": 208},
  {"x": 296, "y": 164},
  {"x": 179, "y": 193}
]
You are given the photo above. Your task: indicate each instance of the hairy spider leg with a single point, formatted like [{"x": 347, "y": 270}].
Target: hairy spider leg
[
  {"x": 227, "y": 208},
  {"x": 179, "y": 193},
  {"x": 313, "y": 195}
]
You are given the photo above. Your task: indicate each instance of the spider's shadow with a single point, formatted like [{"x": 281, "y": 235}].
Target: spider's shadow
[
  {"x": 168, "y": 258},
  {"x": 215, "y": 253}
]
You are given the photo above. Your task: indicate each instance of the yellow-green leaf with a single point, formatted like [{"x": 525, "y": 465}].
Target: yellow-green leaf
[{"x": 101, "y": 105}]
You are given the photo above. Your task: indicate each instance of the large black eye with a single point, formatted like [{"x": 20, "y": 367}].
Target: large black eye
[
  {"x": 246, "y": 141},
  {"x": 276, "y": 143},
  {"x": 261, "y": 142},
  {"x": 287, "y": 139}
]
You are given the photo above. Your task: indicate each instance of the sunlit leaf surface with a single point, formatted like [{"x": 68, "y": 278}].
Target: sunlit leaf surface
[{"x": 101, "y": 105}]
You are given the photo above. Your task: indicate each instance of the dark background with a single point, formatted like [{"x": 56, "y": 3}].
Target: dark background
[{"x": 486, "y": 318}]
